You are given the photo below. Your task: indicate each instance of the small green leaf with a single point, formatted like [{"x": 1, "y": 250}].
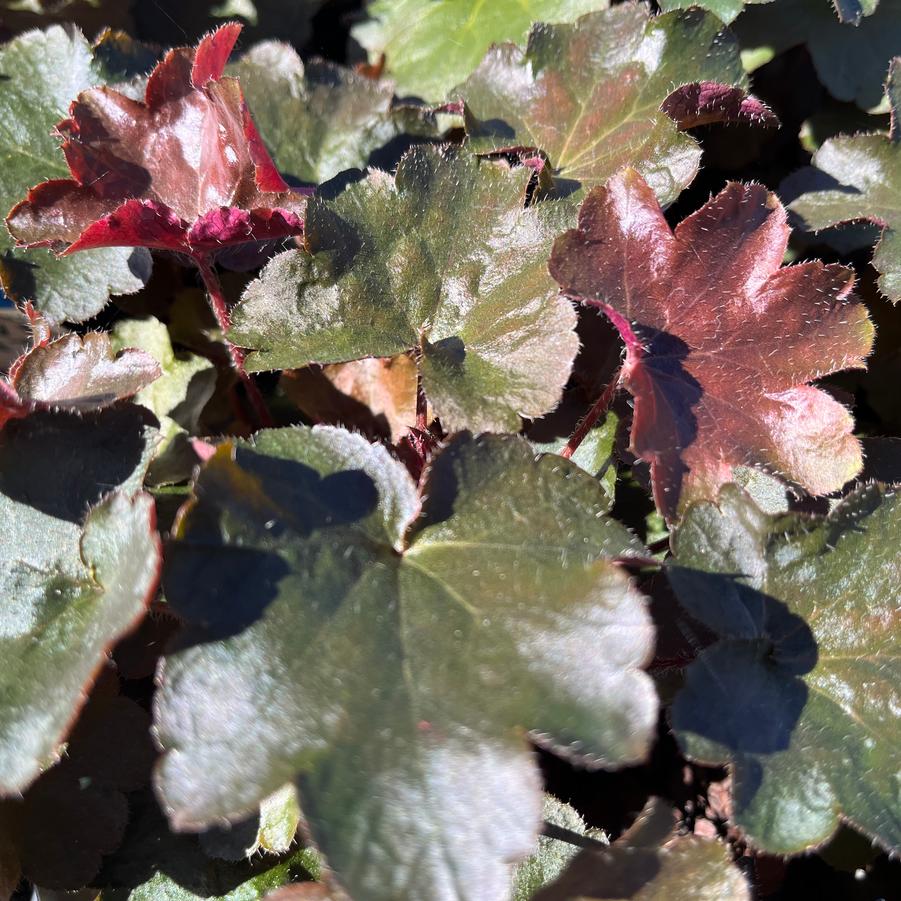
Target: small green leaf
[
  {"x": 444, "y": 258},
  {"x": 594, "y": 454},
  {"x": 801, "y": 694},
  {"x": 392, "y": 660},
  {"x": 725, "y": 10},
  {"x": 588, "y": 95},
  {"x": 320, "y": 119},
  {"x": 40, "y": 74},
  {"x": 858, "y": 178},
  {"x": 429, "y": 47}
]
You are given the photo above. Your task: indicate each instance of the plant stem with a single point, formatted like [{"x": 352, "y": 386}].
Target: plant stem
[
  {"x": 422, "y": 406},
  {"x": 592, "y": 416},
  {"x": 219, "y": 306},
  {"x": 552, "y": 830}
]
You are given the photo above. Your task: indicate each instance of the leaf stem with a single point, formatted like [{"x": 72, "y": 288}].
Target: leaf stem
[
  {"x": 219, "y": 306},
  {"x": 592, "y": 416}
]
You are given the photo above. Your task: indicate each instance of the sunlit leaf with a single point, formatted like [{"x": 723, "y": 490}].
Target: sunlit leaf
[
  {"x": 442, "y": 258},
  {"x": 422, "y": 58},
  {"x": 720, "y": 341},
  {"x": 589, "y": 95},
  {"x": 392, "y": 660}
]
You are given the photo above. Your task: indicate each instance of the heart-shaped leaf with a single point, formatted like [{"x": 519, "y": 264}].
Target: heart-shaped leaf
[
  {"x": 589, "y": 95},
  {"x": 135, "y": 183},
  {"x": 39, "y": 74},
  {"x": 858, "y": 177},
  {"x": 82, "y": 373},
  {"x": 320, "y": 119},
  {"x": 392, "y": 660},
  {"x": 650, "y": 863},
  {"x": 801, "y": 694},
  {"x": 443, "y": 258},
  {"x": 76, "y": 591},
  {"x": 413, "y": 36},
  {"x": 720, "y": 342}
]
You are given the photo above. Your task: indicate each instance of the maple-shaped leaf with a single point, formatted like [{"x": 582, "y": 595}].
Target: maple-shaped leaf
[
  {"x": 442, "y": 258},
  {"x": 649, "y": 862},
  {"x": 850, "y": 61},
  {"x": 39, "y": 73},
  {"x": 858, "y": 177},
  {"x": 591, "y": 95},
  {"x": 320, "y": 119},
  {"x": 801, "y": 693},
  {"x": 184, "y": 170},
  {"x": 79, "y": 373},
  {"x": 720, "y": 341},
  {"x": 76, "y": 590},
  {"x": 429, "y": 47},
  {"x": 391, "y": 654}
]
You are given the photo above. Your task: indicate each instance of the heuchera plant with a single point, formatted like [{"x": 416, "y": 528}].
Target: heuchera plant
[{"x": 512, "y": 455}]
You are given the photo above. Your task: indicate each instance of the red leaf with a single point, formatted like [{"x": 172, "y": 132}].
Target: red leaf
[
  {"x": 185, "y": 170},
  {"x": 720, "y": 341}
]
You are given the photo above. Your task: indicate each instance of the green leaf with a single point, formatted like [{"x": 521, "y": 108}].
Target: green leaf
[
  {"x": 552, "y": 856},
  {"x": 40, "y": 74},
  {"x": 70, "y": 609},
  {"x": 320, "y": 119},
  {"x": 429, "y": 47},
  {"x": 801, "y": 694},
  {"x": 594, "y": 454},
  {"x": 650, "y": 863},
  {"x": 442, "y": 258},
  {"x": 392, "y": 659},
  {"x": 70, "y": 586},
  {"x": 850, "y": 61},
  {"x": 858, "y": 178},
  {"x": 588, "y": 95}
]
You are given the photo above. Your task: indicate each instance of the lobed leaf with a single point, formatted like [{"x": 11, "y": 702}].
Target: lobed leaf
[
  {"x": 40, "y": 73},
  {"x": 442, "y": 258},
  {"x": 590, "y": 95},
  {"x": 391, "y": 659},
  {"x": 800, "y": 695},
  {"x": 412, "y": 35},
  {"x": 137, "y": 180},
  {"x": 858, "y": 178},
  {"x": 720, "y": 341}
]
